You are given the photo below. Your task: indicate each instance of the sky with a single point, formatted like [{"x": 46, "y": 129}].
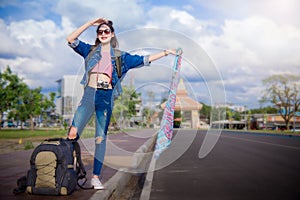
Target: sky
[{"x": 244, "y": 42}]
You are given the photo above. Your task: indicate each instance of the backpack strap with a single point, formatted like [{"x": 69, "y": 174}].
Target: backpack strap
[
  {"x": 21, "y": 185},
  {"x": 80, "y": 170},
  {"x": 118, "y": 59}
]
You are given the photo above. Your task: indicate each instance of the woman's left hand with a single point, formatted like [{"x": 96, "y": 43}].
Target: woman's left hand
[
  {"x": 164, "y": 53},
  {"x": 172, "y": 51}
]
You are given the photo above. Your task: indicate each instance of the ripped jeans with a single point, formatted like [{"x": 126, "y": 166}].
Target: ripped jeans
[{"x": 101, "y": 102}]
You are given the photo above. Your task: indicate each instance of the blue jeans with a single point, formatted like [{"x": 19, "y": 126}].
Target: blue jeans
[{"x": 100, "y": 102}]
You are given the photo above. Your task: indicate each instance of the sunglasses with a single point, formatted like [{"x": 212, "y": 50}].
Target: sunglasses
[{"x": 105, "y": 31}]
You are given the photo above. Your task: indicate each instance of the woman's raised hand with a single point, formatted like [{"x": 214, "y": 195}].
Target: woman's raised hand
[{"x": 97, "y": 22}]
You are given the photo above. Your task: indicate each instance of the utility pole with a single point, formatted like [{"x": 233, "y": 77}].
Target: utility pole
[{"x": 294, "y": 117}]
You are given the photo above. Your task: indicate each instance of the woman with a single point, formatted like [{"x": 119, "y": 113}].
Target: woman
[{"x": 101, "y": 84}]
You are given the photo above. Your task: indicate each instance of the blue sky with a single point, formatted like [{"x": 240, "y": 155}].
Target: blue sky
[{"x": 246, "y": 40}]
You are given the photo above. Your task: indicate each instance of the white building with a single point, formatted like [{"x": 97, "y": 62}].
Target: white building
[
  {"x": 70, "y": 92},
  {"x": 232, "y": 107}
]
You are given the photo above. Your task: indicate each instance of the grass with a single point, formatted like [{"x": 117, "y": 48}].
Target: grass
[
  {"x": 16, "y": 134},
  {"x": 15, "y": 139}
]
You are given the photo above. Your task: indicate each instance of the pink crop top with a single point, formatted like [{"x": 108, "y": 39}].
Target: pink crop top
[{"x": 104, "y": 65}]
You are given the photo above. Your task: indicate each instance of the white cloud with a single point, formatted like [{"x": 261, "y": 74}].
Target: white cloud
[
  {"x": 34, "y": 33},
  {"x": 249, "y": 50},
  {"x": 7, "y": 45},
  {"x": 39, "y": 51},
  {"x": 245, "y": 50},
  {"x": 169, "y": 18},
  {"x": 280, "y": 11},
  {"x": 254, "y": 40},
  {"x": 124, "y": 13}
]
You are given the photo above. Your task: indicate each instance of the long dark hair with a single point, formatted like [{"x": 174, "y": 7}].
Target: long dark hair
[{"x": 113, "y": 42}]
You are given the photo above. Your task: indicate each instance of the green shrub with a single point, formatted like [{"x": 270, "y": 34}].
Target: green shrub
[{"x": 28, "y": 145}]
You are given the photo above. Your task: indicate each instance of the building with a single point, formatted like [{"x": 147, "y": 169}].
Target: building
[
  {"x": 188, "y": 107},
  {"x": 229, "y": 124},
  {"x": 232, "y": 107},
  {"x": 70, "y": 92},
  {"x": 273, "y": 121}
]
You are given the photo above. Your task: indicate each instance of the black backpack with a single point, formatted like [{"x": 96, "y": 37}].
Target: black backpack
[{"x": 55, "y": 169}]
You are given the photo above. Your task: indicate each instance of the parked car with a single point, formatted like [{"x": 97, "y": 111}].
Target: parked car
[{"x": 8, "y": 124}]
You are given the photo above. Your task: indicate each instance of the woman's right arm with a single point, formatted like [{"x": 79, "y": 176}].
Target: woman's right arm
[{"x": 75, "y": 34}]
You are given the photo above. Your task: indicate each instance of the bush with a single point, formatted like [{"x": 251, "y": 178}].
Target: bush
[{"x": 28, "y": 145}]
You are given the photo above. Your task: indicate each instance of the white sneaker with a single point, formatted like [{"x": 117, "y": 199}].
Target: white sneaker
[{"x": 97, "y": 184}]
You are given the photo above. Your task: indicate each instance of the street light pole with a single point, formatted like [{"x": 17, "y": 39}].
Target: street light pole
[{"x": 294, "y": 117}]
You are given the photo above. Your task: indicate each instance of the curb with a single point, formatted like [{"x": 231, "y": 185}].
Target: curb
[
  {"x": 115, "y": 186},
  {"x": 146, "y": 191}
]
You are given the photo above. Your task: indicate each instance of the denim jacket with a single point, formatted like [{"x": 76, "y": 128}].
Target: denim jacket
[{"x": 128, "y": 62}]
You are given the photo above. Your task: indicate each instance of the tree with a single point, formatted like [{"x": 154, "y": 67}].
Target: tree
[
  {"x": 205, "y": 112},
  {"x": 265, "y": 110},
  {"x": 29, "y": 105},
  {"x": 33, "y": 104},
  {"x": 229, "y": 114},
  {"x": 149, "y": 110},
  {"x": 178, "y": 116},
  {"x": 133, "y": 100},
  {"x": 125, "y": 105},
  {"x": 283, "y": 92},
  {"x": 147, "y": 113},
  {"x": 48, "y": 106},
  {"x": 218, "y": 113},
  {"x": 21, "y": 102},
  {"x": 237, "y": 116},
  {"x": 11, "y": 85}
]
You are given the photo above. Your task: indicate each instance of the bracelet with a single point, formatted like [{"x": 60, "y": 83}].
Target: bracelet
[{"x": 165, "y": 52}]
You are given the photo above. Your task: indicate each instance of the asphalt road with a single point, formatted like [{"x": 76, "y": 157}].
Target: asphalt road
[{"x": 240, "y": 166}]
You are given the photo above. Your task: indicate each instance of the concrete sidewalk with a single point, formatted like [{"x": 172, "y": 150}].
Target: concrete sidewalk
[{"x": 120, "y": 155}]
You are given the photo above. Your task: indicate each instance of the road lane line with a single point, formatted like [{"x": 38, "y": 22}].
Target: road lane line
[{"x": 261, "y": 142}]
